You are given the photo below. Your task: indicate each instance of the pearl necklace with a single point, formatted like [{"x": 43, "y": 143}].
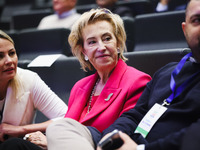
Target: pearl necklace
[{"x": 92, "y": 94}]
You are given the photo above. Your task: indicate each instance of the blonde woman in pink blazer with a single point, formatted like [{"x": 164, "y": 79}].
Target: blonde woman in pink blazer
[{"x": 98, "y": 40}]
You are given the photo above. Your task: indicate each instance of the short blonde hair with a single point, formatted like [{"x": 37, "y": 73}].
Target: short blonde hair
[{"x": 100, "y": 14}]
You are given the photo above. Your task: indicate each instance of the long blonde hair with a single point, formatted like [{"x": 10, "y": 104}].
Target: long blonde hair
[
  {"x": 100, "y": 14},
  {"x": 14, "y": 83}
]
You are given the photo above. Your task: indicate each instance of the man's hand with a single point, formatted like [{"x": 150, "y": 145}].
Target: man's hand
[{"x": 129, "y": 144}]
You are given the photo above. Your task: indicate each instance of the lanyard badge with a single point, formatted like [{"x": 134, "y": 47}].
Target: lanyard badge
[{"x": 150, "y": 119}]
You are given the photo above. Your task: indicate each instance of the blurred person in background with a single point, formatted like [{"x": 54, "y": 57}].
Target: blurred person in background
[
  {"x": 169, "y": 5},
  {"x": 64, "y": 17},
  {"x": 122, "y": 11}
]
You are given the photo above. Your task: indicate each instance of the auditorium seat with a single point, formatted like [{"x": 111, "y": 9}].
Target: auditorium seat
[
  {"x": 2, "y": 2},
  {"x": 129, "y": 25},
  {"x": 29, "y": 19},
  {"x": 150, "y": 61},
  {"x": 42, "y": 4},
  {"x": 156, "y": 31},
  {"x": 11, "y": 7},
  {"x": 14, "y": 35},
  {"x": 83, "y": 8},
  {"x": 33, "y": 42},
  {"x": 137, "y": 6},
  {"x": 79, "y": 2}
]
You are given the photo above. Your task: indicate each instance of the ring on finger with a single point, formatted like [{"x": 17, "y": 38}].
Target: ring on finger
[{"x": 27, "y": 136}]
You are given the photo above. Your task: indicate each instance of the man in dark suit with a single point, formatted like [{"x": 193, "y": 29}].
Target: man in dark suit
[{"x": 191, "y": 138}]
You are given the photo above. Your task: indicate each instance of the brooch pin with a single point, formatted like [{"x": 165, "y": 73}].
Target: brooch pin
[{"x": 109, "y": 96}]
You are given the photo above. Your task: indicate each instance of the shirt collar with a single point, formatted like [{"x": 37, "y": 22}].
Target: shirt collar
[
  {"x": 67, "y": 13},
  {"x": 193, "y": 60}
]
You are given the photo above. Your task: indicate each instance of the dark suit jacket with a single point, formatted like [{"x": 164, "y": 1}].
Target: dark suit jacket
[
  {"x": 191, "y": 139},
  {"x": 184, "y": 110}
]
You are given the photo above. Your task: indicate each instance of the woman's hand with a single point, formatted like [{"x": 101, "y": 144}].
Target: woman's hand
[{"x": 37, "y": 138}]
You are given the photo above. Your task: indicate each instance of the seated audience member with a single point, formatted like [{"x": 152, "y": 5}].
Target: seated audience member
[
  {"x": 109, "y": 92},
  {"x": 122, "y": 11},
  {"x": 168, "y": 106},
  {"x": 22, "y": 92},
  {"x": 170, "y": 5},
  {"x": 64, "y": 17},
  {"x": 98, "y": 40}
]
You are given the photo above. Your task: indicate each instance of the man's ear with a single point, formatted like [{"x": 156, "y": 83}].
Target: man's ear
[{"x": 183, "y": 27}]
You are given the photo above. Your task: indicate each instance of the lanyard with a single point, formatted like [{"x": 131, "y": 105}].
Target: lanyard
[{"x": 177, "y": 92}]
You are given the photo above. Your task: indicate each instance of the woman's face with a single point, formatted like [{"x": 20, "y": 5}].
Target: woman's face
[
  {"x": 100, "y": 45},
  {"x": 8, "y": 60}
]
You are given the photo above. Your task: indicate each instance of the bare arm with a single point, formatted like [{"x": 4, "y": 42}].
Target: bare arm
[{"x": 7, "y": 130}]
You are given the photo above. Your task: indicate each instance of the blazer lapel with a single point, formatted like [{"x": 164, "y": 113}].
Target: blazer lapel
[
  {"x": 78, "y": 106},
  {"x": 103, "y": 102},
  {"x": 110, "y": 91},
  {"x": 83, "y": 93}
]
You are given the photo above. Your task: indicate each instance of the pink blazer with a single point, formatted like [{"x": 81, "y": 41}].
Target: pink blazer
[{"x": 125, "y": 84}]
